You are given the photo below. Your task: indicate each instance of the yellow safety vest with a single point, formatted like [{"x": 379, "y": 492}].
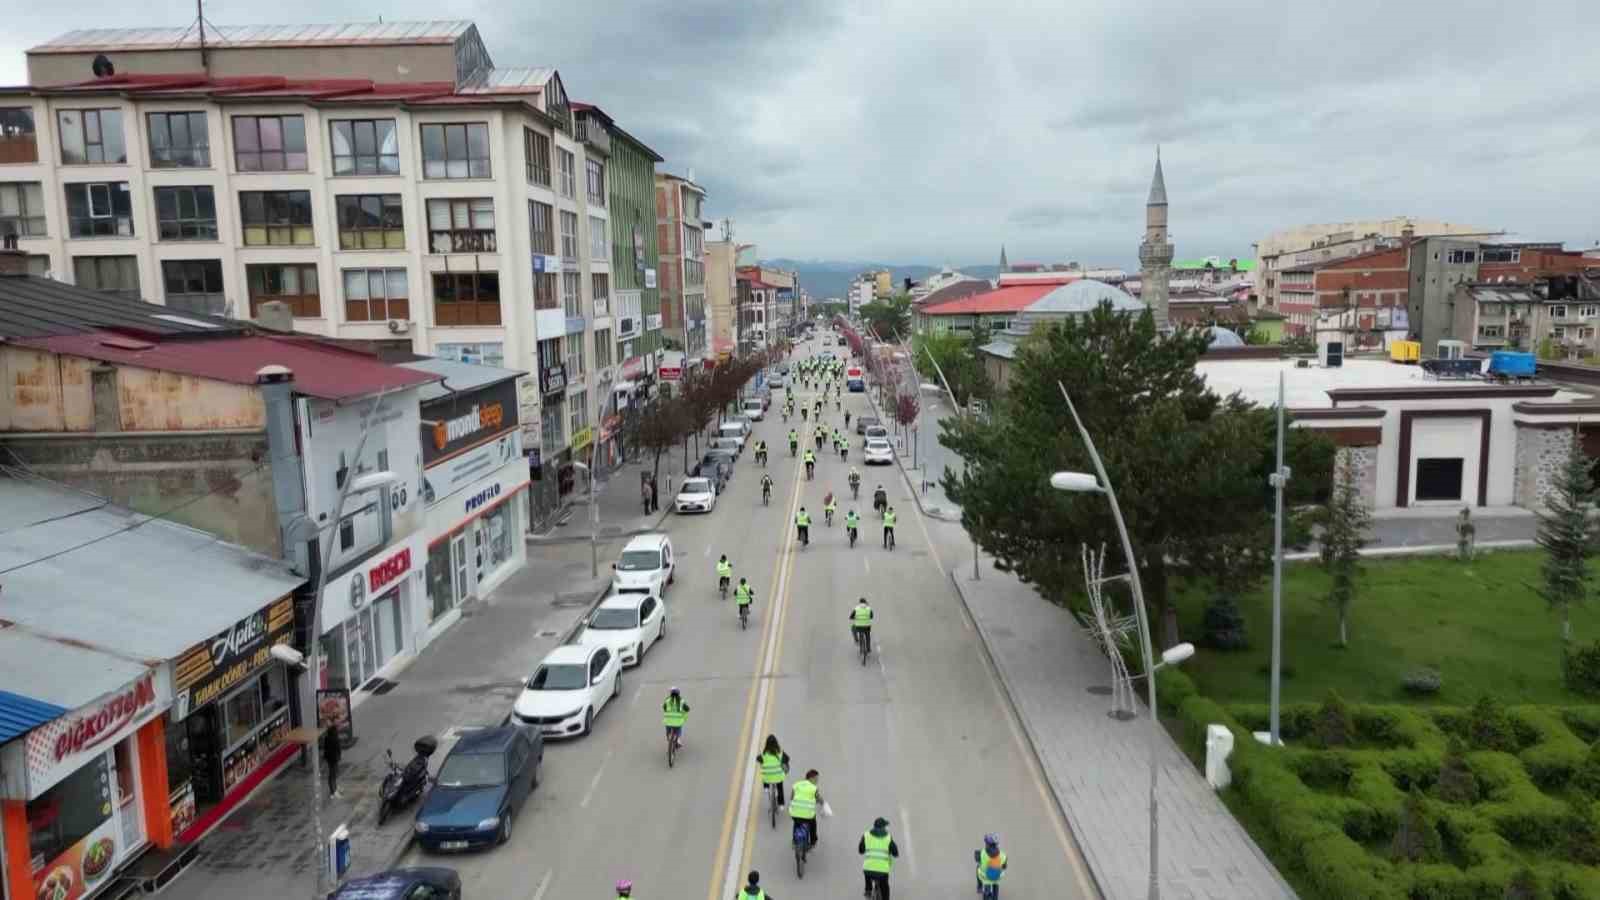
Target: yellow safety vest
[
  {"x": 724, "y": 570},
  {"x": 741, "y": 595},
  {"x": 802, "y": 519},
  {"x": 803, "y": 805},
  {"x": 863, "y": 616},
  {"x": 991, "y": 868},
  {"x": 878, "y": 858},
  {"x": 888, "y": 519},
  {"x": 810, "y": 457},
  {"x": 771, "y": 768},
  {"x": 673, "y": 714}
]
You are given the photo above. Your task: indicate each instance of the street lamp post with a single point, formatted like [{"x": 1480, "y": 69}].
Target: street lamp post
[
  {"x": 1278, "y": 479},
  {"x": 1100, "y": 483}
]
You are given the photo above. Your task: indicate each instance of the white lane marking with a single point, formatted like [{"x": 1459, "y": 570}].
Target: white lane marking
[
  {"x": 868, "y": 563},
  {"x": 544, "y": 884},
  {"x": 707, "y": 554},
  {"x": 595, "y": 781},
  {"x": 906, "y": 852},
  {"x": 637, "y": 693}
]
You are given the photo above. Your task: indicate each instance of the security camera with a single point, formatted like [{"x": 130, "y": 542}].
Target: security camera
[{"x": 288, "y": 655}]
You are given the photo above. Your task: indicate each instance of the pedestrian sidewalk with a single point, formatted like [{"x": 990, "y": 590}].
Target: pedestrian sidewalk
[
  {"x": 468, "y": 677},
  {"x": 619, "y": 501},
  {"x": 1098, "y": 767}
]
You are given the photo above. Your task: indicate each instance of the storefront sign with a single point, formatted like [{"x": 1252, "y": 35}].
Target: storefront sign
[
  {"x": 649, "y": 278},
  {"x": 181, "y": 803},
  {"x": 543, "y": 262},
  {"x": 446, "y": 478},
  {"x": 653, "y": 322},
  {"x": 81, "y": 868},
  {"x": 210, "y": 668},
  {"x": 453, "y": 424},
  {"x": 581, "y": 439},
  {"x": 552, "y": 379},
  {"x": 59, "y": 748},
  {"x": 385, "y": 570},
  {"x": 333, "y": 711}
]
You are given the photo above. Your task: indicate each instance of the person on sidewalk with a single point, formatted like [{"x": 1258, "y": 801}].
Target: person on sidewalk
[
  {"x": 880, "y": 851},
  {"x": 332, "y": 749},
  {"x": 655, "y": 496}
]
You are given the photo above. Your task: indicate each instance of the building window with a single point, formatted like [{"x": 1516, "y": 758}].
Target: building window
[
  {"x": 371, "y": 222},
  {"x": 599, "y": 239},
  {"x": 482, "y": 353},
  {"x": 269, "y": 143},
  {"x": 536, "y": 147},
  {"x": 601, "y": 291},
  {"x": 194, "y": 285},
  {"x": 1558, "y": 333},
  {"x": 596, "y": 172},
  {"x": 294, "y": 284},
  {"x": 455, "y": 151},
  {"x": 1461, "y": 256},
  {"x": 466, "y": 298},
  {"x": 461, "y": 226},
  {"x": 575, "y": 358},
  {"x": 569, "y": 173},
  {"x": 542, "y": 227},
  {"x": 179, "y": 140},
  {"x": 1491, "y": 331},
  {"x": 186, "y": 214},
  {"x": 91, "y": 136},
  {"x": 22, "y": 209},
  {"x": 373, "y": 295},
  {"x": 113, "y": 274},
  {"x": 550, "y": 427},
  {"x": 544, "y": 291},
  {"x": 603, "y": 345},
  {"x": 19, "y": 142},
  {"x": 573, "y": 303},
  {"x": 569, "y": 236},
  {"x": 99, "y": 210},
  {"x": 365, "y": 147},
  {"x": 1558, "y": 312},
  {"x": 578, "y": 412},
  {"x": 280, "y": 218},
  {"x": 1585, "y": 333},
  {"x": 1439, "y": 478},
  {"x": 1588, "y": 312},
  {"x": 1501, "y": 255}
]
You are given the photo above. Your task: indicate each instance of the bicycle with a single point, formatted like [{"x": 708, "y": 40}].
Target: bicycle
[
  {"x": 793, "y": 447},
  {"x": 722, "y": 585},
  {"x": 827, "y": 516},
  {"x": 864, "y": 644},
  {"x": 772, "y": 801},
  {"x": 766, "y": 496},
  {"x": 855, "y": 491},
  {"x": 888, "y": 539},
  {"x": 811, "y": 470},
  {"x": 805, "y": 537},
  {"x": 673, "y": 742},
  {"x": 852, "y": 533},
  {"x": 802, "y": 846},
  {"x": 744, "y": 616}
]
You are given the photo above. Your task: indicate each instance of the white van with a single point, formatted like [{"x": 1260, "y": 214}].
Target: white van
[
  {"x": 645, "y": 566},
  {"x": 755, "y": 409},
  {"x": 733, "y": 430}
]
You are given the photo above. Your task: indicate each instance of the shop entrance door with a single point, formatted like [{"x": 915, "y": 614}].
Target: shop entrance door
[
  {"x": 458, "y": 558},
  {"x": 360, "y": 647},
  {"x": 205, "y": 753}
]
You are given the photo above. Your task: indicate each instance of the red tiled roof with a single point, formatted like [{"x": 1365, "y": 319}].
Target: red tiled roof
[
  {"x": 1014, "y": 298},
  {"x": 319, "y": 370}
]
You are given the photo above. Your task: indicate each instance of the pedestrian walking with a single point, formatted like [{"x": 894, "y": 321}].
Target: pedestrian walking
[
  {"x": 655, "y": 496},
  {"x": 332, "y": 749}
]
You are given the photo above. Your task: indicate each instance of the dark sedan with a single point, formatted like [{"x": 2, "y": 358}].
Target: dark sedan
[
  {"x": 480, "y": 787},
  {"x": 422, "y": 883},
  {"x": 707, "y": 467},
  {"x": 863, "y": 422}
]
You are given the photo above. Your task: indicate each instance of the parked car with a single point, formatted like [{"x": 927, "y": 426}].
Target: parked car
[
  {"x": 718, "y": 465},
  {"x": 755, "y": 408},
  {"x": 879, "y": 452},
  {"x": 734, "y": 430},
  {"x": 776, "y": 380},
  {"x": 877, "y": 431},
  {"x": 629, "y": 624},
  {"x": 568, "y": 690},
  {"x": 865, "y": 422},
  {"x": 480, "y": 787},
  {"x": 645, "y": 566},
  {"x": 726, "y": 443},
  {"x": 417, "y": 883},
  {"x": 696, "y": 495}
]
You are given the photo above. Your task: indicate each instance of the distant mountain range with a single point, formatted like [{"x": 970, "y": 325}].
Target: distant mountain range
[{"x": 831, "y": 278}]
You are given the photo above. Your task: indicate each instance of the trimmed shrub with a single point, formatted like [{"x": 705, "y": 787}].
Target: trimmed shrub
[
  {"x": 1456, "y": 783},
  {"x": 1416, "y": 837},
  {"x": 1584, "y": 721},
  {"x": 1580, "y": 667},
  {"x": 1554, "y": 753},
  {"x": 1422, "y": 682},
  {"x": 1335, "y": 726},
  {"x": 1489, "y": 727},
  {"x": 1586, "y": 780}
]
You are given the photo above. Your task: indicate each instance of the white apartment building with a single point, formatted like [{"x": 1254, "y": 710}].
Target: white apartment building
[{"x": 461, "y": 213}]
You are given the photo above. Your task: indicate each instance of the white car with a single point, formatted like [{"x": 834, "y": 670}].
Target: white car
[
  {"x": 645, "y": 566},
  {"x": 877, "y": 432},
  {"x": 755, "y": 410},
  {"x": 569, "y": 689},
  {"x": 879, "y": 452},
  {"x": 628, "y": 624},
  {"x": 696, "y": 495},
  {"x": 733, "y": 430}
]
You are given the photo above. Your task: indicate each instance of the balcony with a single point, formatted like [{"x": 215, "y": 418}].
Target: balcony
[
  {"x": 602, "y": 307},
  {"x": 465, "y": 241}
]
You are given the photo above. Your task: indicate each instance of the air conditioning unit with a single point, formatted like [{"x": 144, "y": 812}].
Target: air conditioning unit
[{"x": 399, "y": 326}]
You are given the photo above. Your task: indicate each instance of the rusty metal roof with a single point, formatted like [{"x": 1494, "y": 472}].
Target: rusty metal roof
[
  {"x": 376, "y": 33},
  {"x": 34, "y": 307}
]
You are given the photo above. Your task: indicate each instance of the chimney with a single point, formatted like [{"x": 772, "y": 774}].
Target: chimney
[{"x": 12, "y": 260}]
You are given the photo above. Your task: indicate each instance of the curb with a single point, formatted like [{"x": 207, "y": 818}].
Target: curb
[
  {"x": 533, "y": 541},
  {"x": 1422, "y": 550},
  {"x": 1073, "y": 825}
]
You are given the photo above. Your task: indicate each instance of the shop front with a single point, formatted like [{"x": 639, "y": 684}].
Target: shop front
[
  {"x": 230, "y": 716},
  {"x": 83, "y": 793},
  {"x": 368, "y": 617}
]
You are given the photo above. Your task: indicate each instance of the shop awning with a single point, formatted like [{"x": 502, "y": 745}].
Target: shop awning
[{"x": 20, "y": 715}]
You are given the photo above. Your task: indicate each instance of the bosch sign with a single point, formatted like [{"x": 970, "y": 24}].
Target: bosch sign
[{"x": 382, "y": 574}]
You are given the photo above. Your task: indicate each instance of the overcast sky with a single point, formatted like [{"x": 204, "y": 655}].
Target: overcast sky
[{"x": 932, "y": 131}]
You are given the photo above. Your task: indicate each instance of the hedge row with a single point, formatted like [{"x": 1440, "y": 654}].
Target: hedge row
[{"x": 1330, "y": 814}]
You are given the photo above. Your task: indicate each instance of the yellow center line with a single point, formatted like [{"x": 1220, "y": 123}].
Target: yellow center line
[{"x": 747, "y": 737}]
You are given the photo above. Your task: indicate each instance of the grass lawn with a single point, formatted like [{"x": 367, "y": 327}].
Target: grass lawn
[{"x": 1480, "y": 624}]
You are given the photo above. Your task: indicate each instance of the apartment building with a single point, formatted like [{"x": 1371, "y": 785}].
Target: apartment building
[
  {"x": 680, "y": 237},
  {"x": 722, "y": 297},
  {"x": 1308, "y": 245},
  {"x": 384, "y": 210}
]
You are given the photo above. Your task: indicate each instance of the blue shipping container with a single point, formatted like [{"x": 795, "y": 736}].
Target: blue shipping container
[{"x": 1512, "y": 364}]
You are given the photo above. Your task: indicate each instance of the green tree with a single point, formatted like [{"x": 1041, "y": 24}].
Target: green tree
[
  {"x": 1346, "y": 528},
  {"x": 1334, "y": 725},
  {"x": 890, "y": 317},
  {"x": 1567, "y": 537},
  {"x": 957, "y": 357},
  {"x": 1417, "y": 838},
  {"x": 1456, "y": 783},
  {"x": 657, "y": 428},
  {"x": 1189, "y": 467}
]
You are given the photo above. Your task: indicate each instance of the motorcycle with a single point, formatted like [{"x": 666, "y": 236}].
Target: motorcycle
[{"x": 402, "y": 787}]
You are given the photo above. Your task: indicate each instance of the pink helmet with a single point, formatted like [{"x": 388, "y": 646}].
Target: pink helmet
[{"x": 624, "y": 886}]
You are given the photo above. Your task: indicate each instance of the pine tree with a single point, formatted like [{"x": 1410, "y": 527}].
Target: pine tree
[
  {"x": 1417, "y": 838},
  {"x": 1224, "y": 624},
  {"x": 1334, "y": 724},
  {"x": 1567, "y": 537},
  {"x": 1456, "y": 782},
  {"x": 1523, "y": 886},
  {"x": 1346, "y": 528}
]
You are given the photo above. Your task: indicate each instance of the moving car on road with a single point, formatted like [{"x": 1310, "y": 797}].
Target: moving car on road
[
  {"x": 629, "y": 624},
  {"x": 480, "y": 787},
  {"x": 855, "y": 380},
  {"x": 431, "y": 882},
  {"x": 645, "y": 566},
  {"x": 568, "y": 690},
  {"x": 879, "y": 452},
  {"x": 877, "y": 430},
  {"x": 865, "y": 422},
  {"x": 696, "y": 495}
]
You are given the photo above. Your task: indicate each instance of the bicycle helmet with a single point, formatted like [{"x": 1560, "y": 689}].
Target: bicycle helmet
[
  {"x": 624, "y": 886},
  {"x": 755, "y": 878},
  {"x": 674, "y": 691},
  {"x": 991, "y": 840}
]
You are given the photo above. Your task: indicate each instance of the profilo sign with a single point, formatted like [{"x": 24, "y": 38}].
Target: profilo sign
[
  {"x": 463, "y": 420},
  {"x": 212, "y": 667}
]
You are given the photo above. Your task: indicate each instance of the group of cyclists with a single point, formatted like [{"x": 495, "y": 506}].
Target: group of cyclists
[{"x": 804, "y": 801}]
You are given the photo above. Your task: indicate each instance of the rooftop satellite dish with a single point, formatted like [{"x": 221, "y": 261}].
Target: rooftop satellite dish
[{"x": 103, "y": 67}]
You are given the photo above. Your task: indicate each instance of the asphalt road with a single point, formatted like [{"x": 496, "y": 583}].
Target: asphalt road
[{"x": 921, "y": 735}]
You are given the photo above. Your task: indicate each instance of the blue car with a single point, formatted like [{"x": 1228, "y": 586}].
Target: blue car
[
  {"x": 422, "y": 883},
  {"x": 480, "y": 787}
]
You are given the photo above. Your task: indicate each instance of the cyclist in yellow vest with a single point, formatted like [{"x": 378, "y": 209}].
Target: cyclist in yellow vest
[
  {"x": 880, "y": 852},
  {"x": 803, "y": 805},
  {"x": 724, "y": 572},
  {"x": 861, "y": 620},
  {"x": 810, "y": 461},
  {"x": 743, "y": 594},
  {"x": 752, "y": 889},
  {"x": 675, "y": 712},
  {"x": 774, "y": 765},
  {"x": 991, "y": 861},
  {"x": 888, "y": 525},
  {"x": 802, "y": 521}
]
